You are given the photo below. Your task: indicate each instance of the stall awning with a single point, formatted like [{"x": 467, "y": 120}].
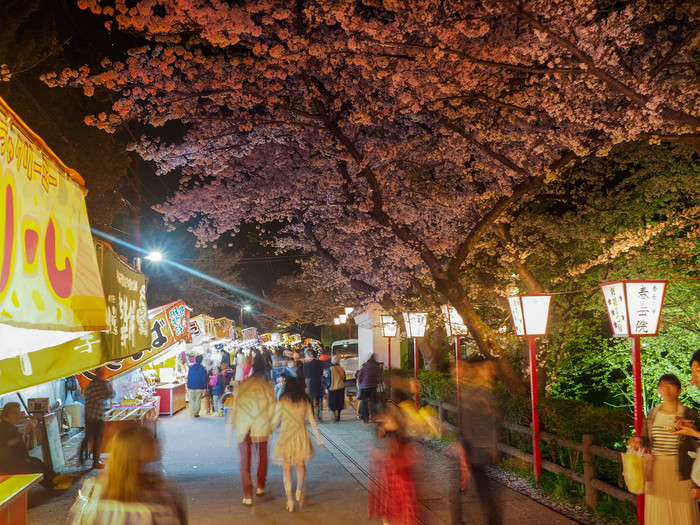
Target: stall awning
[{"x": 49, "y": 280}]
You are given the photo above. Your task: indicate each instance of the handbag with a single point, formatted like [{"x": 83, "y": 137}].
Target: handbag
[
  {"x": 214, "y": 380},
  {"x": 634, "y": 470}
]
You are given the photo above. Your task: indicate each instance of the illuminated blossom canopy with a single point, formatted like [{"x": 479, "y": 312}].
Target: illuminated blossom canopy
[{"x": 391, "y": 135}]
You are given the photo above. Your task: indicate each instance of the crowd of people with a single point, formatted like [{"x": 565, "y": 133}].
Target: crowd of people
[{"x": 277, "y": 394}]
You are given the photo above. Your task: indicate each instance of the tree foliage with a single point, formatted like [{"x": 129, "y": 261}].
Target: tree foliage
[{"x": 391, "y": 136}]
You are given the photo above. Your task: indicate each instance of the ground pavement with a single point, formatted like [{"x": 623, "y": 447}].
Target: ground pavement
[{"x": 198, "y": 461}]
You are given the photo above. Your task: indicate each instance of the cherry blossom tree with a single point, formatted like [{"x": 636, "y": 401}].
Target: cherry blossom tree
[{"x": 391, "y": 136}]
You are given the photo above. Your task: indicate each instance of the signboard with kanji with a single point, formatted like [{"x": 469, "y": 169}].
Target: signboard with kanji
[{"x": 634, "y": 307}]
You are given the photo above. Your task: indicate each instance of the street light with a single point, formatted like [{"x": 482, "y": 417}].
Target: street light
[
  {"x": 154, "y": 257},
  {"x": 455, "y": 327},
  {"x": 530, "y": 317},
  {"x": 634, "y": 308},
  {"x": 336, "y": 321},
  {"x": 416, "y": 323},
  {"x": 389, "y": 329},
  {"x": 247, "y": 308}
]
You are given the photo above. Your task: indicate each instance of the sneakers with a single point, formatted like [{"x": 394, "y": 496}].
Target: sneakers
[
  {"x": 248, "y": 502},
  {"x": 262, "y": 492}
]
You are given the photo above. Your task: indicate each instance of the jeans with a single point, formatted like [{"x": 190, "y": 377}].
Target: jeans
[
  {"x": 216, "y": 401},
  {"x": 195, "y": 401},
  {"x": 94, "y": 429},
  {"x": 367, "y": 394},
  {"x": 245, "y": 452}
]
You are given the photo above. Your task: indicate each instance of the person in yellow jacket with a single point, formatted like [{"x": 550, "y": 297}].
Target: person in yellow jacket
[{"x": 251, "y": 422}]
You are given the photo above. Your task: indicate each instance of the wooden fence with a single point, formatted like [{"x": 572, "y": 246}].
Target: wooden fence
[{"x": 587, "y": 448}]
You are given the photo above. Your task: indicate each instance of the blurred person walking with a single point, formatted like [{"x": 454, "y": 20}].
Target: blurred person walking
[
  {"x": 313, "y": 371},
  {"x": 479, "y": 425},
  {"x": 293, "y": 446},
  {"x": 391, "y": 488},
  {"x": 196, "y": 385},
  {"x": 251, "y": 421},
  {"x": 97, "y": 392},
  {"x": 336, "y": 388},
  {"x": 216, "y": 382},
  {"x": 127, "y": 494},
  {"x": 368, "y": 378}
]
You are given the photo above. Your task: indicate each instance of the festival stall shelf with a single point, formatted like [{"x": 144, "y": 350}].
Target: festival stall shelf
[{"x": 121, "y": 417}]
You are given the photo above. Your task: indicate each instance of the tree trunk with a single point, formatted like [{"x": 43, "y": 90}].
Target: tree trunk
[{"x": 483, "y": 336}]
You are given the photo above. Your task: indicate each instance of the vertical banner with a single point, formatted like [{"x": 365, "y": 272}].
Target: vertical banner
[{"x": 127, "y": 315}]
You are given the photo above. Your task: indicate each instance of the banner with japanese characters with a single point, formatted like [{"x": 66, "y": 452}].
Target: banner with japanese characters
[
  {"x": 127, "y": 315},
  {"x": 169, "y": 324},
  {"x": 225, "y": 328},
  {"x": 634, "y": 307},
  {"x": 202, "y": 327},
  {"x": 73, "y": 357},
  {"x": 49, "y": 280}
]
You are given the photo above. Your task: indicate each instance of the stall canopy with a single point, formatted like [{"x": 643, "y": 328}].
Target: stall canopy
[
  {"x": 50, "y": 289},
  {"x": 169, "y": 324},
  {"x": 128, "y": 332}
]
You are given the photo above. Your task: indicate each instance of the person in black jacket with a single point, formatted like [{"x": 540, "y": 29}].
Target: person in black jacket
[{"x": 313, "y": 370}]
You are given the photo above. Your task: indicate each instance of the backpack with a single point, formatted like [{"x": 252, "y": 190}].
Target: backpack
[{"x": 327, "y": 378}]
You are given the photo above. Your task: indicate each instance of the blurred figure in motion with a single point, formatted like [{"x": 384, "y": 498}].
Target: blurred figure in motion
[
  {"x": 97, "y": 392},
  {"x": 478, "y": 433},
  {"x": 253, "y": 408},
  {"x": 392, "y": 490},
  {"x": 293, "y": 446},
  {"x": 368, "y": 378},
  {"x": 127, "y": 493}
]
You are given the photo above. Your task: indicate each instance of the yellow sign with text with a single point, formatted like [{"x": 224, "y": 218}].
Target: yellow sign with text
[{"x": 49, "y": 278}]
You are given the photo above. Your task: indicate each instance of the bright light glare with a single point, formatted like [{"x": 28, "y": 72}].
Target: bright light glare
[
  {"x": 247, "y": 308},
  {"x": 154, "y": 256}
]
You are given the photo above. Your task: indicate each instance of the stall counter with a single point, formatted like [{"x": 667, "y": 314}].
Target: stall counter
[{"x": 173, "y": 397}]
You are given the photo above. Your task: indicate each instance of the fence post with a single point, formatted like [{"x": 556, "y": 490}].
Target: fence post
[{"x": 589, "y": 471}]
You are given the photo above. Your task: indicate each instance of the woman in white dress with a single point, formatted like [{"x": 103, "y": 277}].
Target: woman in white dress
[
  {"x": 293, "y": 445},
  {"x": 668, "y": 493}
]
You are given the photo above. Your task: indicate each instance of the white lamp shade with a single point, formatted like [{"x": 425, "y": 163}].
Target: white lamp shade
[
  {"x": 416, "y": 323},
  {"x": 454, "y": 325},
  {"x": 336, "y": 321},
  {"x": 634, "y": 307},
  {"x": 343, "y": 318},
  {"x": 348, "y": 310},
  {"x": 389, "y": 326},
  {"x": 530, "y": 313}
]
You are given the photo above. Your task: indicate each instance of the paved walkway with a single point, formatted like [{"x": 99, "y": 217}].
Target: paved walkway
[{"x": 197, "y": 460}]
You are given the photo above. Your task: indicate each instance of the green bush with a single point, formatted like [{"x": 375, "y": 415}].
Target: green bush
[{"x": 438, "y": 386}]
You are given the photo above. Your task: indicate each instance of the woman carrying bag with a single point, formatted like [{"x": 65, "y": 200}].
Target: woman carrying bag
[
  {"x": 336, "y": 387},
  {"x": 668, "y": 488}
]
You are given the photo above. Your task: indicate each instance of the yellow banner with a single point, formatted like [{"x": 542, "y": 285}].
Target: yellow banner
[
  {"x": 169, "y": 324},
  {"x": 48, "y": 272}
]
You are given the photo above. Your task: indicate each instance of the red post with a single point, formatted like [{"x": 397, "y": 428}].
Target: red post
[
  {"x": 638, "y": 407},
  {"x": 349, "y": 330},
  {"x": 537, "y": 456},
  {"x": 415, "y": 369},
  {"x": 458, "y": 356},
  {"x": 389, "y": 352}
]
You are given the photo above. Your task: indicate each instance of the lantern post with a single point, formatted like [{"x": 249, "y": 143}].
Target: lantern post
[
  {"x": 389, "y": 329},
  {"x": 530, "y": 317},
  {"x": 455, "y": 327},
  {"x": 416, "y": 322},
  {"x": 348, "y": 311},
  {"x": 634, "y": 309}
]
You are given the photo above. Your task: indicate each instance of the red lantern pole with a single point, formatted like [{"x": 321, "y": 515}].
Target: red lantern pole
[
  {"x": 415, "y": 368},
  {"x": 638, "y": 406},
  {"x": 537, "y": 456},
  {"x": 458, "y": 356},
  {"x": 389, "y": 352}
]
